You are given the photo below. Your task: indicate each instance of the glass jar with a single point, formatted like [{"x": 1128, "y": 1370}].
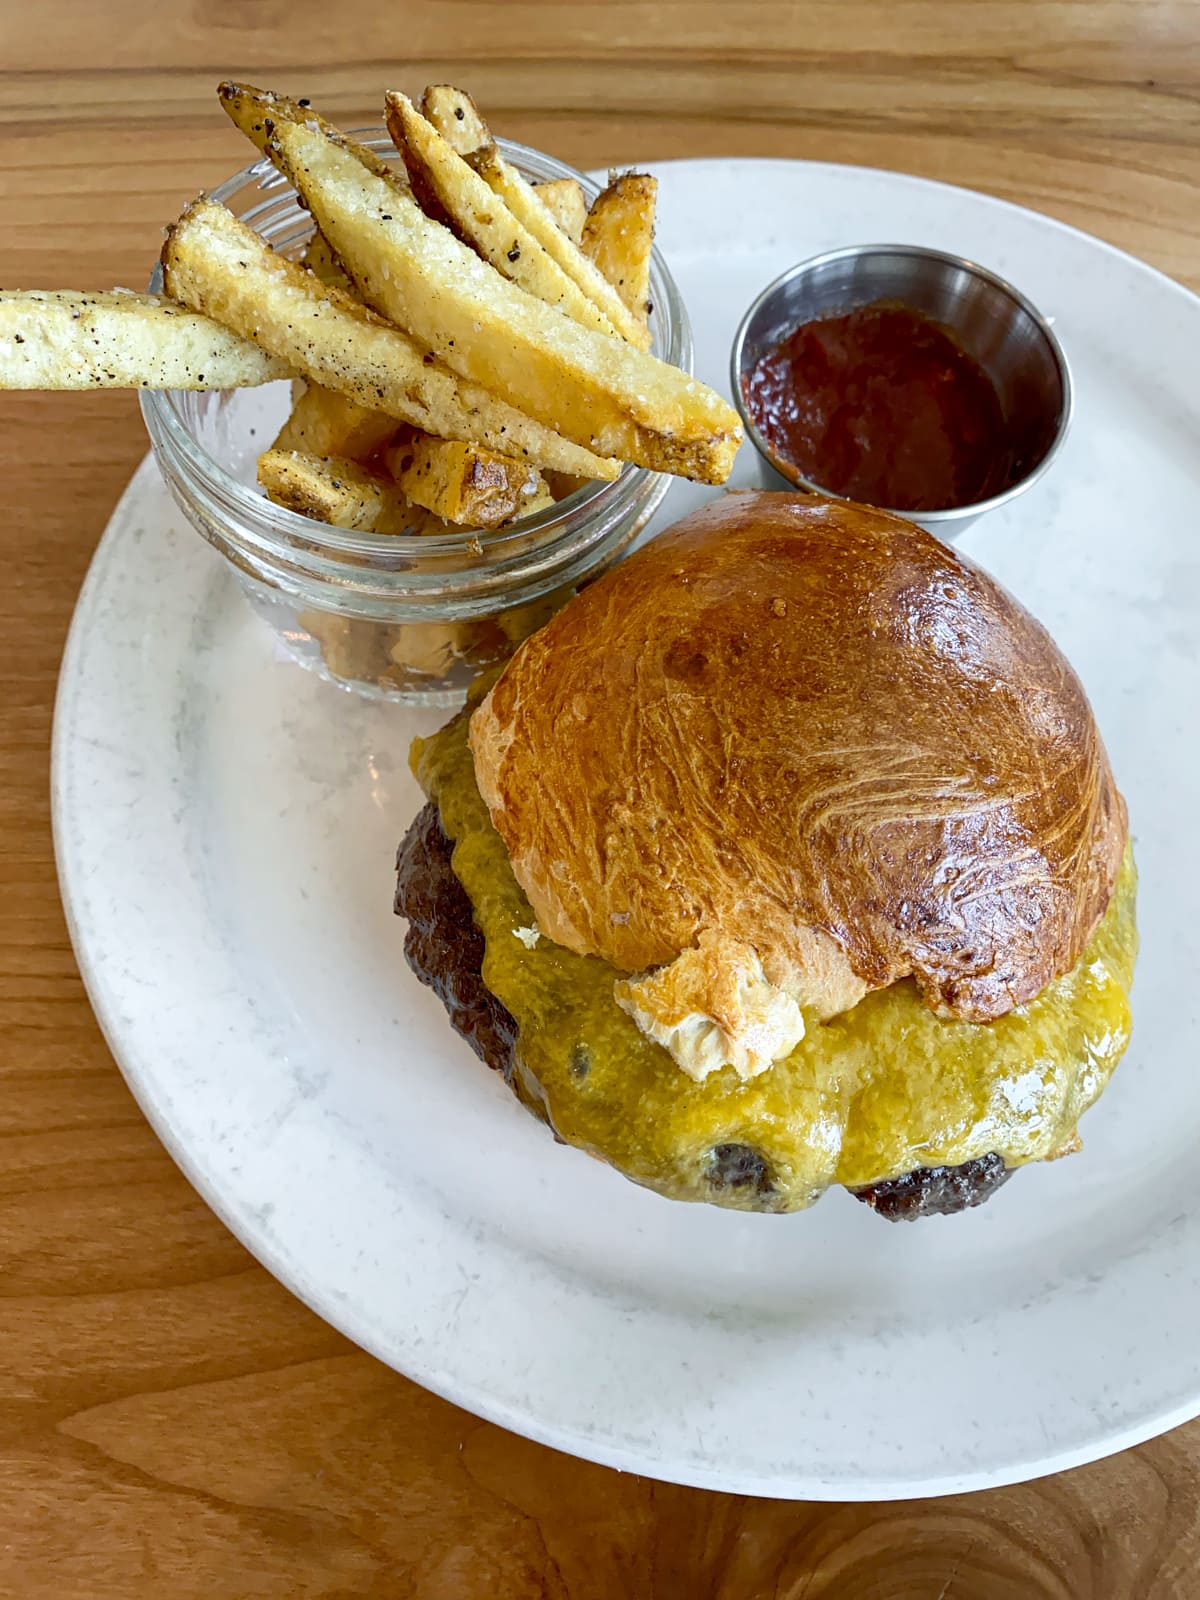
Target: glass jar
[{"x": 393, "y": 616}]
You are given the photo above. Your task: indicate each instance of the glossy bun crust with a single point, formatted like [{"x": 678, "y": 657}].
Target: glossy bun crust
[{"x": 810, "y": 727}]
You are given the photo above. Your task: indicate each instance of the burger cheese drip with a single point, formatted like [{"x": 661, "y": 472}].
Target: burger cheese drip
[{"x": 886, "y": 1087}]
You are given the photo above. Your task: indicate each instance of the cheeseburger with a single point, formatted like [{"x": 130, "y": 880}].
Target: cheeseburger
[{"x": 786, "y": 855}]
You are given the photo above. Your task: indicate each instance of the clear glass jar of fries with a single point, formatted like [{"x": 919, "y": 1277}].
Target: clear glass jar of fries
[{"x": 414, "y": 615}]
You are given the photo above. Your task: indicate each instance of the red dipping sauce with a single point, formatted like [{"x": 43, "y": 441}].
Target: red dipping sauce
[{"x": 881, "y": 405}]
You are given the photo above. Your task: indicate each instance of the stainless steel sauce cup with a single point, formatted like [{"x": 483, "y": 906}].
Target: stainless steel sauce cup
[{"x": 989, "y": 319}]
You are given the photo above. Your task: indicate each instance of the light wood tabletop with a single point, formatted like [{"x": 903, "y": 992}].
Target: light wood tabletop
[{"x": 172, "y": 1421}]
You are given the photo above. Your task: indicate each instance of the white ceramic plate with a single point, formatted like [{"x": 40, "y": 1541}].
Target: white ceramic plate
[{"x": 226, "y": 826}]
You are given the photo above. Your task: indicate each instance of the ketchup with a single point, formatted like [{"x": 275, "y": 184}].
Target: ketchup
[{"x": 881, "y": 405}]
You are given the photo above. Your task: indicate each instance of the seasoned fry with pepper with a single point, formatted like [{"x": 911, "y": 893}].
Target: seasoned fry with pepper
[
  {"x": 464, "y": 483},
  {"x": 480, "y": 218},
  {"x": 600, "y": 392},
  {"x": 564, "y": 199},
  {"x": 326, "y": 423},
  {"x": 333, "y": 490},
  {"x": 456, "y": 117},
  {"x": 213, "y": 262},
  {"x": 51, "y": 339},
  {"x": 618, "y": 236}
]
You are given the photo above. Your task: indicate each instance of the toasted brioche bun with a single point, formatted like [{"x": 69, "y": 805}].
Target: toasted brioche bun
[{"x": 808, "y": 728}]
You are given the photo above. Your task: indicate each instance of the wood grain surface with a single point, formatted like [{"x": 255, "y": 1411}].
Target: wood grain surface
[{"x": 172, "y": 1422}]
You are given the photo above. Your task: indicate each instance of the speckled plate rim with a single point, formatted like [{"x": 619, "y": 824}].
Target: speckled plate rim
[{"x": 81, "y": 766}]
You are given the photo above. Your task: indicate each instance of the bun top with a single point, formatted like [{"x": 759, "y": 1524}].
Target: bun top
[{"x": 805, "y": 734}]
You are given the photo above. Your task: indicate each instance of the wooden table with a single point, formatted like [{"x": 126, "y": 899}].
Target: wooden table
[{"x": 172, "y": 1422}]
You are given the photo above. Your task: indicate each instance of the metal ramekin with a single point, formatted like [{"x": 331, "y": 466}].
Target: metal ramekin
[{"x": 992, "y": 321}]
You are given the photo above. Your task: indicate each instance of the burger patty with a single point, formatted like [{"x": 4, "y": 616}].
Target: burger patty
[
  {"x": 445, "y": 950},
  {"x": 444, "y": 947}
]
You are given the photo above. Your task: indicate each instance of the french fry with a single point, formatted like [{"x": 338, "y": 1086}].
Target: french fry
[
  {"x": 329, "y": 424},
  {"x": 333, "y": 490},
  {"x": 359, "y": 649},
  {"x": 427, "y": 523},
  {"x": 456, "y": 117},
  {"x": 323, "y": 264},
  {"x": 564, "y": 199},
  {"x": 466, "y": 485},
  {"x": 51, "y": 339},
  {"x": 257, "y": 112},
  {"x": 600, "y": 392},
  {"x": 618, "y": 236},
  {"x": 323, "y": 422},
  {"x": 326, "y": 423},
  {"x": 481, "y": 218},
  {"x": 214, "y": 262},
  {"x": 351, "y": 647},
  {"x": 541, "y": 501},
  {"x": 428, "y": 647},
  {"x": 462, "y": 484}
]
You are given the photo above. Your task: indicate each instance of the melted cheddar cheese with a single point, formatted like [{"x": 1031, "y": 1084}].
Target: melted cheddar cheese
[{"x": 880, "y": 1090}]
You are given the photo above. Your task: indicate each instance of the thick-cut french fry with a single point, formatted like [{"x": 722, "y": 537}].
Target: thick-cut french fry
[
  {"x": 359, "y": 649},
  {"x": 52, "y": 339},
  {"x": 618, "y": 236},
  {"x": 351, "y": 647},
  {"x": 333, "y": 490},
  {"x": 467, "y": 485},
  {"x": 480, "y": 217},
  {"x": 325, "y": 423},
  {"x": 564, "y": 199},
  {"x": 428, "y": 647},
  {"x": 323, "y": 264},
  {"x": 257, "y": 112},
  {"x": 594, "y": 389},
  {"x": 212, "y": 261},
  {"x": 541, "y": 501},
  {"x": 456, "y": 117}
]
